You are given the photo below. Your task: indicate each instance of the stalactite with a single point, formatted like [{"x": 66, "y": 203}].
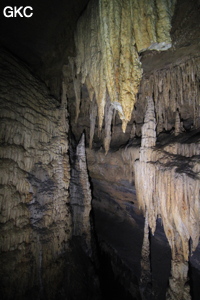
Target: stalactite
[
  {"x": 177, "y": 123},
  {"x": 93, "y": 115},
  {"x": 108, "y": 37},
  {"x": 158, "y": 177},
  {"x": 77, "y": 88},
  {"x": 172, "y": 89},
  {"x": 153, "y": 27}
]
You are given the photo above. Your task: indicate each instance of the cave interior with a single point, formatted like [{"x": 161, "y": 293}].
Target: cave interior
[{"x": 100, "y": 150}]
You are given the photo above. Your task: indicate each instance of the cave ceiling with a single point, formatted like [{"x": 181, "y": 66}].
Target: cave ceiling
[{"x": 46, "y": 41}]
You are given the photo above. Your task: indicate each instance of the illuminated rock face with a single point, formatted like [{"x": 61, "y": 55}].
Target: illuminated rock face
[
  {"x": 167, "y": 177},
  {"x": 34, "y": 179},
  {"x": 175, "y": 90},
  {"x": 108, "y": 38},
  {"x": 168, "y": 186},
  {"x": 166, "y": 174}
]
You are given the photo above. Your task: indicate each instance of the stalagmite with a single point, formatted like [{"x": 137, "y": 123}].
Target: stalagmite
[
  {"x": 108, "y": 120},
  {"x": 133, "y": 131},
  {"x": 108, "y": 37},
  {"x": 158, "y": 177},
  {"x": 149, "y": 126},
  {"x": 81, "y": 198},
  {"x": 145, "y": 279}
]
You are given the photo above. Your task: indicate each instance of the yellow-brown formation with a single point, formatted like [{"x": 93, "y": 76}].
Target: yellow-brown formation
[{"x": 108, "y": 38}]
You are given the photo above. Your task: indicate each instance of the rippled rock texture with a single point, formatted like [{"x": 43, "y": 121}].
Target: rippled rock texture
[{"x": 35, "y": 221}]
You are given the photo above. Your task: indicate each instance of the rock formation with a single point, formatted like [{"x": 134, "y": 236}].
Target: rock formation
[
  {"x": 175, "y": 90},
  {"x": 81, "y": 198},
  {"x": 168, "y": 189},
  {"x": 166, "y": 172},
  {"x": 99, "y": 184},
  {"x": 108, "y": 38},
  {"x": 34, "y": 180}
]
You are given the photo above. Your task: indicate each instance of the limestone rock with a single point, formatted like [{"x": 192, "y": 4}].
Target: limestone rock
[
  {"x": 175, "y": 91},
  {"x": 34, "y": 179},
  {"x": 81, "y": 199},
  {"x": 169, "y": 188},
  {"x": 108, "y": 37}
]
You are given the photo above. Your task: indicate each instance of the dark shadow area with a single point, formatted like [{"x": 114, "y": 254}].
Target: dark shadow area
[
  {"x": 194, "y": 274},
  {"x": 110, "y": 285}
]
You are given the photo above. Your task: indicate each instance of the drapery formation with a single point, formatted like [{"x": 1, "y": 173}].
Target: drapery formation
[
  {"x": 108, "y": 38},
  {"x": 168, "y": 186}
]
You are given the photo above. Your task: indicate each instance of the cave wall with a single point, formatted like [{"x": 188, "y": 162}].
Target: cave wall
[
  {"x": 34, "y": 179},
  {"x": 139, "y": 108},
  {"x": 47, "y": 245}
]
